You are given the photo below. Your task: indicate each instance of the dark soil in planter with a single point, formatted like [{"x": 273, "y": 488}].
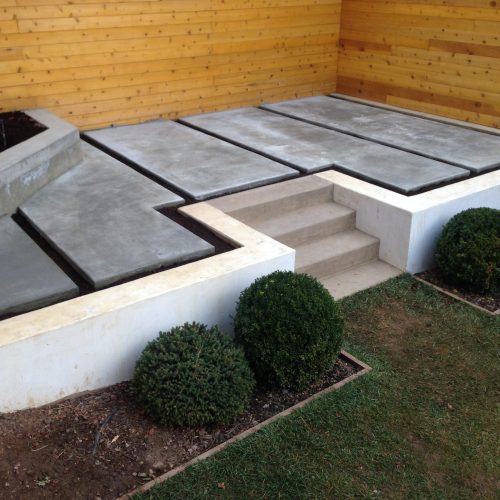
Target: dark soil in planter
[
  {"x": 488, "y": 301},
  {"x": 100, "y": 445},
  {"x": 16, "y": 127}
]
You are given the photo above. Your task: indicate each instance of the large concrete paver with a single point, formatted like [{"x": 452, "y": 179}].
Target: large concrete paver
[
  {"x": 101, "y": 217},
  {"x": 28, "y": 277},
  {"x": 311, "y": 148},
  {"x": 474, "y": 150},
  {"x": 197, "y": 164}
]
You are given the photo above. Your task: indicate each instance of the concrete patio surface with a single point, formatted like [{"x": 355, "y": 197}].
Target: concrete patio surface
[
  {"x": 456, "y": 145},
  {"x": 311, "y": 148},
  {"x": 101, "y": 216},
  {"x": 29, "y": 277},
  {"x": 195, "y": 163}
]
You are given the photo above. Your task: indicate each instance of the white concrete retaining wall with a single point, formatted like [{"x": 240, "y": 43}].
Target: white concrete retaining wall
[
  {"x": 94, "y": 341},
  {"x": 408, "y": 226}
]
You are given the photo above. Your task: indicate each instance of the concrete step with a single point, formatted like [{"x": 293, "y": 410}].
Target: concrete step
[
  {"x": 259, "y": 204},
  {"x": 335, "y": 253},
  {"x": 307, "y": 223},
  {"x": 359, "y": 278}
]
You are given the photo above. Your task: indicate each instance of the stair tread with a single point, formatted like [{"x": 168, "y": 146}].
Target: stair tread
[
  {"x": 245, "y": 200},
  {"x": 359, "y": 277},
  {"x": 302, "y": 218},
  {"x": 338, "y": 244}
]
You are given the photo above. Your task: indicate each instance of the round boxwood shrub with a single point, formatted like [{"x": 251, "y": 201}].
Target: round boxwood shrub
[
  {"x": 468, "y": 250},
  {"x": 193, "y": 375},
  {"x": 290, "y": 329}
]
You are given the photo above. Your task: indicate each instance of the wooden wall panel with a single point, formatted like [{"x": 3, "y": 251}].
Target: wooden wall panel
[
  {"x": 437, "y": 56},
  {"x": 97, "y": 62}
]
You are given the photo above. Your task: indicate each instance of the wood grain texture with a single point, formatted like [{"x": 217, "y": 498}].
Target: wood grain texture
[
  {"x": 436, "y": 56},
  {"x": 98, "y": 63}
]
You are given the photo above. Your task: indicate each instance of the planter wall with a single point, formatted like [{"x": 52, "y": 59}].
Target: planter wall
[
  {"x": 94, "y": 340},
  {"x": 30, "y": 165},
  {"x": 418, "y": 219}
]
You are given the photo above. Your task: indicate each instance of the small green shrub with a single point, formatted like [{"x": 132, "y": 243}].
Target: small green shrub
[
  {"x": 290, "y": 329},
  {"x": 192, "y": 375},
  {"x": 468, "y": 250}
]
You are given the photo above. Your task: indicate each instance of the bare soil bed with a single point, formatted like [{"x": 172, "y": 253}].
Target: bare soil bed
[
  {"x": 100, "y": 444},
  {"x": 488, "y": 301},
  {"x": 16, "y": 127}
]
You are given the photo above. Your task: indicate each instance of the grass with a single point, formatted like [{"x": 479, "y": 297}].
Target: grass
[{"x": 423, "y": 424}]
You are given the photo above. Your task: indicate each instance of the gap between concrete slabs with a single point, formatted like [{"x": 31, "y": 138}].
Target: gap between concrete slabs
[
  {"x": 364, "y": 368},
  {"x": 470, "y": 149}
]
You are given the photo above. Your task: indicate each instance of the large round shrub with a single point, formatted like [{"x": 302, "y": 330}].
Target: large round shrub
[
  {"x": 290, "y": 328},
  {"x": 468, "y": 250},
  {"x": 192, "y": 375}
]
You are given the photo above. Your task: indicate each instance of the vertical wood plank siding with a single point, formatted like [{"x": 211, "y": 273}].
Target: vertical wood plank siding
[
  {"x": 438, "y": 56},
  {"x": 98, "y": 63}
]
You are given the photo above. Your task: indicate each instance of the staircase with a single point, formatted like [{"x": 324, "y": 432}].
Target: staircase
[{"x": 301, "y": 214}]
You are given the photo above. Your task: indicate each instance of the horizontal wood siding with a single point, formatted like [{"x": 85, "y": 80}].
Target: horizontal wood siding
[
  {"x": 437, "y": 56},
  {"x": 98, "y": 63}
]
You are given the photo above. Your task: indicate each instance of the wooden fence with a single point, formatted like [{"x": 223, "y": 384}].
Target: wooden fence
[
  {"x": 97, "y": 62},
  {"x": 439, "y": 56}
]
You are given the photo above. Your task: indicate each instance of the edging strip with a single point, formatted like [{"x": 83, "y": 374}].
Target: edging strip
[
  {"x": 457, "y": 297},
  {"x": 212, "y": 451}
]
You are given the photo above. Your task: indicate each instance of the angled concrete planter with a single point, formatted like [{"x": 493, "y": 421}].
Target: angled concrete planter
[{"x": 30, "y": 165}]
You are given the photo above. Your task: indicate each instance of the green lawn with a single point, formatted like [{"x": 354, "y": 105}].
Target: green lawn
[{"x": 423, "y": 424}]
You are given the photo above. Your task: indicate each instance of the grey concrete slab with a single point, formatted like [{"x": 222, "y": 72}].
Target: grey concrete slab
[
  {"x": 311, "y": 148},
  {"x": 101, "y": 216},
  {"x": 476, "y": 151},
  {"x": 29, "y": 278},
  {"x": 195, "y": 163}
]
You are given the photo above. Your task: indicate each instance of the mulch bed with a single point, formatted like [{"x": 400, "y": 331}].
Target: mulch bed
[
  {"x": 100, "y": 445},
  {"x": 16, "y": 127},
  {"x": 490, "y": 302}
]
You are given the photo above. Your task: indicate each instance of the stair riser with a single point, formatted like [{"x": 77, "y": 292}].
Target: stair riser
[
  {"x": 319, "y": 230},
  {"x": 256, "y": 213},
  {"x": 340, "y": 262}
]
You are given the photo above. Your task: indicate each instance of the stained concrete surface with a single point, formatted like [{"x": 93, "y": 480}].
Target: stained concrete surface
[
  {"x": 29, "y": 278},
  {"x": 100, "y": 215},
  {"x": 311, "y": 148},
  {"x": 193, "y": 162},
  {"x": 476, "y": 151}
]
